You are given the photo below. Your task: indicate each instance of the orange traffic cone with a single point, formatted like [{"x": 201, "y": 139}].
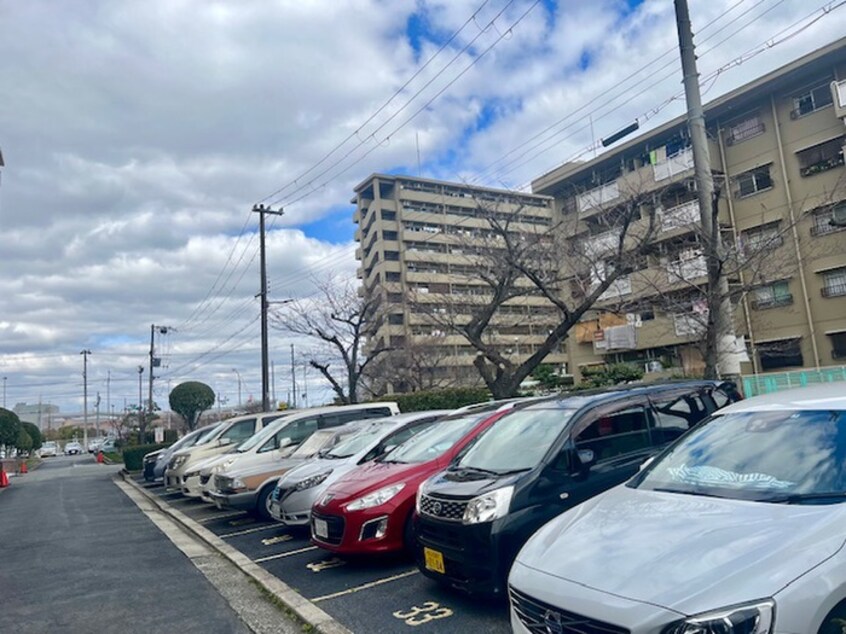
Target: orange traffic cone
[
  {"x": 100, "y": 458},
  {"x": 23, "y": 468},
  {"x": 4, "y": 479}
]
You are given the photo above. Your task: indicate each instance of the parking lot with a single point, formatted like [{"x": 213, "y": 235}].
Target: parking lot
[{"x": 364, "y": 595}]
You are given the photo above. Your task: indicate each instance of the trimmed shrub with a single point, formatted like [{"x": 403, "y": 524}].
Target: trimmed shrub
[
  {"x": 449, "y": 398},
  {"x": 133, "y": 457}
]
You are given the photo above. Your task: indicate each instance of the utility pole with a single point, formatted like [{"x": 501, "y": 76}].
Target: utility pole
[
  {"x": 140, "y": 406},
  {"x": 85, "y": 354},
  {"x": 273, "y": 383},
  {"x": 109, "y": 393},
  {"x": 154, "y": 362},
  {"x": 265, "y": 354},
  {"x": 305, "y": 389},
  {"x": 96, "y": 417},
  {"x": 728, "y": 364},
  {"x": 238, "y": 374},
  {"x": 293, "y": 378}
]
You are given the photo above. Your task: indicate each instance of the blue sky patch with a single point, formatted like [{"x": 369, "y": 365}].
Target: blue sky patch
[{"x": 336, "y": 227}]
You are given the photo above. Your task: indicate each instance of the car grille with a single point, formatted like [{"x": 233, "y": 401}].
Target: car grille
[
  {"x": 542, "y": 617},
  {"x": 450, "y": 510},
  {"x": 335, "y": 525}
]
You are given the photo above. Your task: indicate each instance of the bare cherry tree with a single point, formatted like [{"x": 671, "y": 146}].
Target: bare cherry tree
[{"x": 336, "y": 318}]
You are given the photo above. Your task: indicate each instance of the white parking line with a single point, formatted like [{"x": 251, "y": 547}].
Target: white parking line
[
  {"x": 249, "y": 530},
  {"x": 365, "y": 586},
  {"x": 222, "y": 516},
  {"x": 281, "y": 555}
]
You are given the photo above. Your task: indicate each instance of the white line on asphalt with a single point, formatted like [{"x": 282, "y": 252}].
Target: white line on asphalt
[
  {"x": 287, "y": 554},
  {"x": 364, "y": 586},
  {"x": 222, "y": 516},
  {"x": 250, "y": 530}
]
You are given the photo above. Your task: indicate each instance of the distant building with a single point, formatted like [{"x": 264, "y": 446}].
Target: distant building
[{"x": 40, "y": 414}]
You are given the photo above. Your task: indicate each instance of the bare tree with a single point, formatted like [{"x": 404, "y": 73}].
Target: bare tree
[
  {"x": 510, "y": 262},
  {"x": 411, "y": 368},
  {"x": 337, "y": 318}
]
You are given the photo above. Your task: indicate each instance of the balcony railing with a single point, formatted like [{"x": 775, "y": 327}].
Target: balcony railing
[
  {"x": 681, "y": 216},
  {"x": 673, "y": 165},
  {"x": 772, "y": 302},
  {"x": 619, "y": 287},
  {"x": 823, "y": 165},
  {"x": 597, "y": 197},
  {"x": 834, "y": 290},
  {"x": 825, "y": 225},
  {"x": 602, "y": 243},
  {"x": 687, "y": 325},
  {"x": 687, "y": 269},
  {"x": 761, "y": 243}
]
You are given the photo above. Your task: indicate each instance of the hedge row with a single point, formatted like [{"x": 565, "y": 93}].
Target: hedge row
[
  {"x": 133, "y": 457},
  {"x": 449, "y": 398}
]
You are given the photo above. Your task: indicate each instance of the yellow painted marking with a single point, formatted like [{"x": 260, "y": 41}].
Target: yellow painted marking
[
  {"x": 221, "y": 516},
  {"x": 326, "y": 564},
  {"x": 364, "y": 586},
  {"x": 247, "y": 531},
  {"x": 276, "y": 540},
  {"x": 288, "y": 554},
  {"x": 429, "y": 611}
]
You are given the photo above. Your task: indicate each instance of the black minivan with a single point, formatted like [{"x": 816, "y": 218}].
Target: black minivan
[{"x": 537, "y": 462}]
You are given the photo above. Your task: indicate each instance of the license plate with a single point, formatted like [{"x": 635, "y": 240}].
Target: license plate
[
  {"x": 321, "y": 528},
  {"x": 434, "y": 560}
]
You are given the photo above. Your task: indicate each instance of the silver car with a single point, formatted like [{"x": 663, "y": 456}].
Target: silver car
[{"x": 298, "y": 489}]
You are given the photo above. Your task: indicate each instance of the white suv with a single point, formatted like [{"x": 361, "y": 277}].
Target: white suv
[{"x": 738, "y": 527}]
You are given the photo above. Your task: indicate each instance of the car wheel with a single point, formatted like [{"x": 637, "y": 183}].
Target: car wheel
[
  {"x": 835, "y": 622},
  {"x": 263, "y": 502}
]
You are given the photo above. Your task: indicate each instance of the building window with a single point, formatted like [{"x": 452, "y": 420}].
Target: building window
[
  {"x": 389, "y": 215},
  {"x": 811, "y": 101},
  {"x": 772, "y": 296},
  {"x": 834, "y": 283},
  {"x": 395, "y": 298},
  {"x": 761, "y": 238},
  {"x": 838, "y": 345},
  {"x": 396, "y": 320},
  {"x": 392, "y": 276},
  {"x": 829, "y": 220},
  {"x": 391, "y": 256},
  {"x": 746, "y": 129},
  {"x": 753, "y": 181},
  {"x": 821, "y": 158},
  {"x": 389, "y": 235},
  {"x": 780, "y": 354}
]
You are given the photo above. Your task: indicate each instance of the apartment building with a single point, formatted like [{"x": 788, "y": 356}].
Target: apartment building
[
  {"x": 419, "y": 243},
  {"x": 777, "y": 156}
]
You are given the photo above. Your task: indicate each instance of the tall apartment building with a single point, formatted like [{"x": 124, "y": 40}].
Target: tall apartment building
[
  {"x": 417, "y": 243},
  {"x": 777, "y": 155}
]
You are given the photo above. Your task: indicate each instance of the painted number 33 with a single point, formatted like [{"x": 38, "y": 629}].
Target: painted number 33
[{"x": 428, "y": 612}]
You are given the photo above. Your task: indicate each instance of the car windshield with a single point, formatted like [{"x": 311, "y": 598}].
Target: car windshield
[
  {"x": 517, "y": 441},
  {"x": 360, "y": 441},
  {"x": 313, "y": 443},
  {"x": 202, "y": 440},
  {"x": 433, "y": 442},
  {"x": 773, "y": 456},
  {"x": 258, "y": 438}
]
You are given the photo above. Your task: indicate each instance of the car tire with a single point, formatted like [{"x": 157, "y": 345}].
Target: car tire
[
  {"x": 263, "y": 502},
  {"x": 835, "y": 622},
  {"x": 409, "y": 538}
]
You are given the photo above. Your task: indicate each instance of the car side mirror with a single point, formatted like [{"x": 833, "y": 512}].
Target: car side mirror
[
  {"x": 586, "y": 457},
  {"x": 224, "y": 441}
]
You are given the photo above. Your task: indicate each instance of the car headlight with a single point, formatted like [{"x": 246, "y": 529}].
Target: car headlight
[
  {"x": 313, "y": 481},
  {"x": 488, "y": 507},
  {"x": 423, "y": 488},
  {"x": 376, "y": 498},
  {"x": 238, "y": 483},
  {"x": 192, "y": 473},
  {"x": 749, "y": 618}
]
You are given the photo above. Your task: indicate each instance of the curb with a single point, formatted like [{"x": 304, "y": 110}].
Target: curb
[{"x": 304, "y": 609}]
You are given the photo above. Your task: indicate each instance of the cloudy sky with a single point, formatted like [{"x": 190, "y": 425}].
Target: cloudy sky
[{"x": 138, "y": 134}]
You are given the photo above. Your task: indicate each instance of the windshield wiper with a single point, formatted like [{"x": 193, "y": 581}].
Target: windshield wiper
[
  {"x": 388, "y": 461},
  {"x": 479, "y": 470},
  {"x": 687, "y": 492},
  {"x": 805, "y": 497}
]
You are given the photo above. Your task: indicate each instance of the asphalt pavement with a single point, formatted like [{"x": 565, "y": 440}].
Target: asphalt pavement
[{"x": 77, "y": 555}]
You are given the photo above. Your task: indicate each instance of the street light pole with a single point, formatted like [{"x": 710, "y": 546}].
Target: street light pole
[
  {"x": 265, "y": 353},
  {"x": 85, "y": 354}
]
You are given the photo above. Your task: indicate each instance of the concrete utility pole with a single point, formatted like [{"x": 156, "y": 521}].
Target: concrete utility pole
[
  {"x": 96, "y": 416},
  {"x": 140, "y": 402},
  {"x": 728, "y": 364},
  {"x": 261, "y": 210},
  {"x": 293, "y": 379},
  {"x": 154, "y": 362},
  {"x": 85, "y": 354}
]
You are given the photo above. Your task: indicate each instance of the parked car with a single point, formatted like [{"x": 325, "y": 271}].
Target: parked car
[
  {"x": 49, "y": 448},
  {"x": 737, "y": 527},
  {"x": 369, "y": 509},
  {"x": 249, "y": 487},
  {"x": 73, "y": 448},
  {"x": 94, "y": 444},
  {"x": 109, "y": 445},
  {"x": 300, "y": 488},
  {"x": 163, "y": 457},
  {"x": 536, "y": 463}
]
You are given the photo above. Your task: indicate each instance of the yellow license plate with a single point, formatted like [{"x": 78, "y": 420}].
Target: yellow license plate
[{"x": 434, "y": 560}]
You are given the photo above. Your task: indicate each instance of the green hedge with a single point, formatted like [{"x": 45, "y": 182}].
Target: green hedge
[
  {"x": 449, "y": 398},
  {"x": 133, "y": 457}
]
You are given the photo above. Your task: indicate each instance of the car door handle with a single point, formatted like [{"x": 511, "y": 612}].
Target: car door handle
[{"x": 564, "y": 495}]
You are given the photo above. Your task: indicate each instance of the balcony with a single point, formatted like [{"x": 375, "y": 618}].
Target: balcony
[
  {"x": 602, "y": 243},
  {"x": 833, "y": 290},
  {"x": 687, "y": 269},
  {"x": 689, "y": 325},
  {"x": 681, "y": 216},
  {"x": 763, "y": 303},
  {"x": 598, "y": 197},
  {"x": 673, "y": 165},
  {"x": 619, "y": 287}
]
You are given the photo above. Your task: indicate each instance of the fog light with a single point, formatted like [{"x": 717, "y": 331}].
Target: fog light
[{"x": 374, "y": 529}]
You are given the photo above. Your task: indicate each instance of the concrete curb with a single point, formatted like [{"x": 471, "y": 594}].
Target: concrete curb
[{"x": 304, "y": 609}]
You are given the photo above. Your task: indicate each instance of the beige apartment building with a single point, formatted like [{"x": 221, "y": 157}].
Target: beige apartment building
[
  {"x": 418, "y": 252},
  {"x": 777, "y": 155}
]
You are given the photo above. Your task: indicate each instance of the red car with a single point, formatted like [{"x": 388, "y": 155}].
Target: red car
[{"x": 370, "y": 509}]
